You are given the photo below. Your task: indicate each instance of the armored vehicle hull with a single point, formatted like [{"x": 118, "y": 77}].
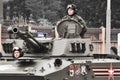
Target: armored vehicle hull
[
  {"x": 70, "y": 69},
  {"x": 65, "y": 58}
]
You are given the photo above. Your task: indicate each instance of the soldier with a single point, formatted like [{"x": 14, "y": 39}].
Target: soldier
[
  {"x": 72, "y": 14},
  {"x": 17, "y": 52}
]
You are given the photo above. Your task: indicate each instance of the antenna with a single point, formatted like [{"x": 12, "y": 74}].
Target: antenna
[
  {"x": 108, "y": 27},
  {"x": 1, "y": 17}
]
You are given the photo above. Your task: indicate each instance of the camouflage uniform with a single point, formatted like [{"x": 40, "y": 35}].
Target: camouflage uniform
[
  {"x": 79, "y": 30},
  {"x": 78, "y": 19}
]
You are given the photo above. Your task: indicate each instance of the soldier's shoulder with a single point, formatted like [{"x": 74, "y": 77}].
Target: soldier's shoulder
[
  {"x": 65, "y": 17},
  {"x": 77, "y": 16}
]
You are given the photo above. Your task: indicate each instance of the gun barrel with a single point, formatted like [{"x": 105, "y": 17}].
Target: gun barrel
[
  {"x": 12, "y": 30},
  {"x": 27, "y": 37}
]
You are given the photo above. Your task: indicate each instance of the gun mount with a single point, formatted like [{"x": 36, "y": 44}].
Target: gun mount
[{"x": 29, "y": 41}]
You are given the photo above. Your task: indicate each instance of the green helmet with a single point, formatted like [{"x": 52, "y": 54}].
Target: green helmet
[
  {"x": 16, "y": 49},
  {"x": 72, "y": 6}
]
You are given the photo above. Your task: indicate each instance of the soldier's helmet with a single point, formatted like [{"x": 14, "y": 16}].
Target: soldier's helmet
[
  {"x": 72, "y": 6},
  {"x": 17, "y": 54},
  {"x": 16, "y": 49}
]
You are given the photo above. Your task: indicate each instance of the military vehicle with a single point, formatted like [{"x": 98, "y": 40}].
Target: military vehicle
[{"x": 66, "y": 58}]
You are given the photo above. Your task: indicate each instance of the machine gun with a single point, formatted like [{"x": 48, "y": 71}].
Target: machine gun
[{"x": 33, "y": 44}]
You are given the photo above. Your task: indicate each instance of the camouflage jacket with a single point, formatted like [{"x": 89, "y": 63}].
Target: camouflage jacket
[{"x": 78, "y": 19}]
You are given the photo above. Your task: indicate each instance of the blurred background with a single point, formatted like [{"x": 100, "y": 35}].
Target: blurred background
[{"x": 50, "y": 11}]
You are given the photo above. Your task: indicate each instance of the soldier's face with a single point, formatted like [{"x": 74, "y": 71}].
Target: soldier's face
[
  {"x": 70, "y": 11},
  {"x": 16, "y": 54}
]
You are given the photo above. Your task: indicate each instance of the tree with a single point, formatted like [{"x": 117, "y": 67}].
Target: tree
[
  {"x": 44, "y": 8},
  {"x": 92, "y": 11}
]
